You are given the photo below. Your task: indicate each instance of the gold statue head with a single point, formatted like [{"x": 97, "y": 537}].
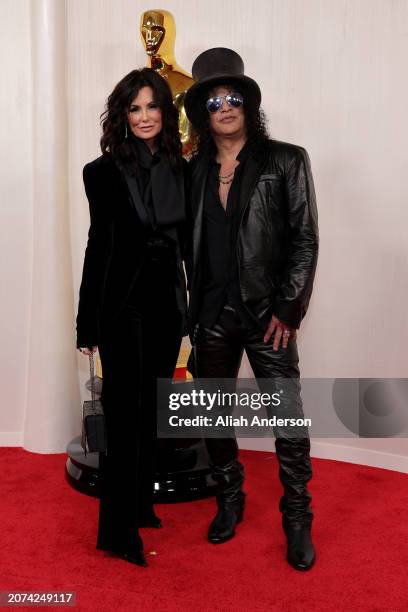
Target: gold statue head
[{"x": 158, "y": 30}]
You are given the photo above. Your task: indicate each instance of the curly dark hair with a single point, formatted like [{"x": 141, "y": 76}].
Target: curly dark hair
[
  {"x": 114, "y": 118},
  {"x": 255, "y": 122}
]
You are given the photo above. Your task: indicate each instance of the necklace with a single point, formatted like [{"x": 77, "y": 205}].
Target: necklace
[
  {"x": 227, "y": 178},
  {"x": 226, "y": 175}
]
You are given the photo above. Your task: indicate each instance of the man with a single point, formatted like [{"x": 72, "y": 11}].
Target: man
[{"x": 253, "y": 259}]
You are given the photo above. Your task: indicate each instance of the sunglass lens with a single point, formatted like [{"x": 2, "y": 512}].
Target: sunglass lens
[
  {"x": 235, "y": 100},
  {"x": 214, "y": 104}
]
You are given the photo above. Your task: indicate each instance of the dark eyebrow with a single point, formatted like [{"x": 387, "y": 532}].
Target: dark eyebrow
[{"x": 132, "y": 106}]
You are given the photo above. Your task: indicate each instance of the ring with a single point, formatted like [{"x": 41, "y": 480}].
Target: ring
[{"x": 286, "y": 332}]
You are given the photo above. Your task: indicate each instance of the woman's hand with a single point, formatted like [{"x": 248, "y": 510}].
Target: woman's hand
[{"x": 87, "y": 350}]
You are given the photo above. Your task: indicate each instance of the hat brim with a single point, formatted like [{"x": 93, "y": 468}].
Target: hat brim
[{"x": 194, "y": 96}]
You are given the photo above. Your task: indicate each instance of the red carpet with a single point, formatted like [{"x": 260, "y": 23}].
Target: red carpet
[{"x": 48, "y": 533}]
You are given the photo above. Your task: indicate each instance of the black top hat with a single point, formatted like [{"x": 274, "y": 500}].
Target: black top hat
[{"x": 213, "y": 67}]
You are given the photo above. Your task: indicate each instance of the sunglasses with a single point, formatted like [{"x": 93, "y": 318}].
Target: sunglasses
[{"x": 232, "y": 99}]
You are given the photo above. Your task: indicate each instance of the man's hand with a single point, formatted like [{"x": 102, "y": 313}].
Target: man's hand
[
  {"x": 283, "y": 332},
  {"x": 86, "y": 350}
]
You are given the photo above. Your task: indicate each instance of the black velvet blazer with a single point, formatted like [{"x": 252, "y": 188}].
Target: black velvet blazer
[{"x": 114, "y": 252}]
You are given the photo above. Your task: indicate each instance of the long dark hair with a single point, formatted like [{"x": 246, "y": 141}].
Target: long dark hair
[
  {"x": 114, "y": 118},
  {"x": 255, "y": 122}
]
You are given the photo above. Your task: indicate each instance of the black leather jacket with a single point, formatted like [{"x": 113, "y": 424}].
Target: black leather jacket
[{"x": 277, "y": 240}]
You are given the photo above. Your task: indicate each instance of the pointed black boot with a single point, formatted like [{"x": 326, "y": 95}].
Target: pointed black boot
[
  {"x": 230, "y": 502},
  {"x": 133, "y": 555},
  {"x": 137, "y": 558},
  {"x": 295, "y": 471}
]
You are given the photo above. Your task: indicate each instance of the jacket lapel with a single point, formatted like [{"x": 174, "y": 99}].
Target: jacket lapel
[
  {"x": 134, "y": 194},
  {"x": 135, "y": 198},
  {"x": 198, "y": 181},
  {"x": 252, "y": 171}
]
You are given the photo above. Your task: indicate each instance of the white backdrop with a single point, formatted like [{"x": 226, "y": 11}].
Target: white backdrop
[{"x": 332, "y": 74}]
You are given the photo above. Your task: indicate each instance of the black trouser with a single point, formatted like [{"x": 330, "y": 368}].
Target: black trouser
[
  {"x": 218, "y": 355},
  {"x": 141, "y": 346}
]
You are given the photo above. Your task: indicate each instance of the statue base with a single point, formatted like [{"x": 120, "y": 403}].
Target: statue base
[{"x": 182, "y": 473}]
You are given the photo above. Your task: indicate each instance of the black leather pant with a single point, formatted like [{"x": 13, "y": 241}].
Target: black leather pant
[
  {"x": 218, "y": 355},
  {"x": 141, "y": 345}
]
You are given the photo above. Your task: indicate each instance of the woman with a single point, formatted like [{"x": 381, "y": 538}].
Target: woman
[{"x": 132, "y": 297}]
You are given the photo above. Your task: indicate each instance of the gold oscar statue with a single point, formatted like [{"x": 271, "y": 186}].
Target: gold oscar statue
[{"x": 158, "y": 32}]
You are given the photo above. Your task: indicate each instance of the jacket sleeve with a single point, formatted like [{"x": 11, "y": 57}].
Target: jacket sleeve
[
  {"x": 189, "y": 226},
  {"x": 297, "y": 280},
  {"x": 95, "y": 262}
]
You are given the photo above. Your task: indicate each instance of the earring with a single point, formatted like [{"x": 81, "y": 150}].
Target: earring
[{"x": 126, "y": 133}]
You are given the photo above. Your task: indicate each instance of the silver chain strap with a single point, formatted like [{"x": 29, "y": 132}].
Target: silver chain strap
[{"x": 92, "y": 374}]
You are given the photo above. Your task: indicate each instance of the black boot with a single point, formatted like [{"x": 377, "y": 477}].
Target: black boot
[
  {"x": 133, "y": 554},
  {"x": 300, "y": 550},
  {"x": 295, "y": 471},
  {"x": 230, "y": 502}
]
